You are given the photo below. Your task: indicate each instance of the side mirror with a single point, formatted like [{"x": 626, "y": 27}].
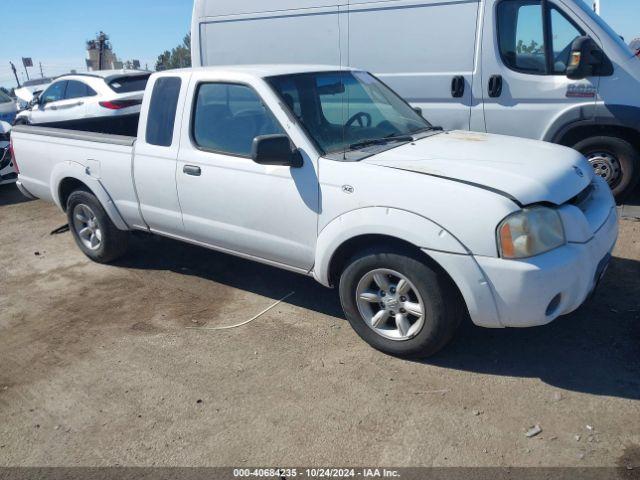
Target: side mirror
[
  {"x": 275, "y": 150},
  {"x": 587, "y": 59},
  {"x": 418, "y": 110},
  {"x": 36, "y": 100}
]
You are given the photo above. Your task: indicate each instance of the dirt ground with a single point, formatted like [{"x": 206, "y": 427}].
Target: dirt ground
[{"x": 98, "y": 367}]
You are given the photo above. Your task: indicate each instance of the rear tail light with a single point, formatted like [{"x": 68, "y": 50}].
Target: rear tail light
[
  {"x": 13, "y": 156},
  {"x": 120, "y": 104}
]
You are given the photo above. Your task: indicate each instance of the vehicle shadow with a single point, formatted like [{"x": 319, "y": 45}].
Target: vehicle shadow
[
  {"x": 158, "y": 253},
  {"x": 10, "y": 195},
  {"x": 594, "y": 350}
]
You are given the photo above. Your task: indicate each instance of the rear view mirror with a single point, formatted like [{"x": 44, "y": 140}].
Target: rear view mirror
[
  {"x": 587, "y": 60},
  {"x": 275, "y": 150}
]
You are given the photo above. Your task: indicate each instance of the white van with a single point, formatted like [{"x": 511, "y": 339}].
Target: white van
[{"x": 544, "y": 69}]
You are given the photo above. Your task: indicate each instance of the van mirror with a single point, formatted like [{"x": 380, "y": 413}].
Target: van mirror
[
  {"x": 275, "y": 150},
  {"x": 586, "y": 59}
]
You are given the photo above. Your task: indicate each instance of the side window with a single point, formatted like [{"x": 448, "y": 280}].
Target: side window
[
  {"x": 228, "y": 117},
  {"x": 564, "y": 33},
  {"x": 521, "y": 36},
  {"x": 162, "y": 111},
  {"x": 54, "y": 93},
  {"x": 76, "y": 89}
]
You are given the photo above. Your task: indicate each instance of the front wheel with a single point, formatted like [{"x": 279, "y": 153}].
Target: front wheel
[
  {"x": 615, "y": 160},
  {"x": 398, "y": 304},
  {"x": 92, "y": 229}
]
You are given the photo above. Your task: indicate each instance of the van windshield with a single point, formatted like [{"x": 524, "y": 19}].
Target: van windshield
[
  {"x": 347, "y": 110},
  {"x": 605, "y": 26}
]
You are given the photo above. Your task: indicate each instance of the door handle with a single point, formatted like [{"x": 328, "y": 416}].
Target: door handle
[
  {"x": 192, "y": 170},
  {"x": 457, "y": 86},
  {"x": 495, "y": 86}
]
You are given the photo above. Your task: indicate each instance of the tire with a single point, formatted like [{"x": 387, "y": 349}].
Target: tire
[
  {"x": 443, "y": 307},
  {"x": 614, "y": 159},
  {"x": 100, "y": 239},
  {"x": 20, "y": 121}
]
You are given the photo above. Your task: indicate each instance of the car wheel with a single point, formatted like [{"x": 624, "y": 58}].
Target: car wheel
[
  {"x": 615, "y": 160},
  {"x": 20, "y": 121},
  {"x": 399, "y": 304},
  {"x": 93, "y": 230}
]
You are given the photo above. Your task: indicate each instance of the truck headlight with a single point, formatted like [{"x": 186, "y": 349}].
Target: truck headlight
[{"x": 530, "y": 232}]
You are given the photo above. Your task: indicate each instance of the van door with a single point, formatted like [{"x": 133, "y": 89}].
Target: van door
[
  {"x": 526, "y": 48},
  {"x": 424, "y": 50}
]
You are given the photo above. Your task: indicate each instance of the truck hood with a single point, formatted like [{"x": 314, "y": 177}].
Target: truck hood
[{"x": 527, "y": 171}]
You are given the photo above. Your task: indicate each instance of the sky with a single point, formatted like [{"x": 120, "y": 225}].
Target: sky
[{"x": 54, "y": 31}]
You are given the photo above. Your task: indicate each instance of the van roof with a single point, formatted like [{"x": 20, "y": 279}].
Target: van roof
[{"x": 265, "y": 70}]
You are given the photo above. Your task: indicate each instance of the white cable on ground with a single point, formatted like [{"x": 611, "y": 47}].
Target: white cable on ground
[{"x": 248, "y": 321}]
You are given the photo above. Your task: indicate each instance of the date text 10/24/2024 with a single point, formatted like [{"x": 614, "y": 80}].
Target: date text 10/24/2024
[{"x": 315, "y": 473}]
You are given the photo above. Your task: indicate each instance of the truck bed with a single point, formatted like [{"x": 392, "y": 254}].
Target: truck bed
[{"x": 47, "y": 157}]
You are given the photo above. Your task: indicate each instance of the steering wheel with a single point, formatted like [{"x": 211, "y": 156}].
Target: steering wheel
[{"x": 363, "y": 118}]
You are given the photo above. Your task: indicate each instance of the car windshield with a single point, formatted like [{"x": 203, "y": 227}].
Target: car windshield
[
  {"x": 347, "y": 110},
  {"x": 4, "y": 98}
]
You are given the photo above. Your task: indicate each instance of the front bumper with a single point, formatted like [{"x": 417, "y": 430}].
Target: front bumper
[{"x": 536, "y": 291}]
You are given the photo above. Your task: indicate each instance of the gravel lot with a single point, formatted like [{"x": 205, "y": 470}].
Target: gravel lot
[{"x": 98, "y": 367}]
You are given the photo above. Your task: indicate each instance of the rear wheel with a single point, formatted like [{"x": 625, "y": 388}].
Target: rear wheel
[
  {"x": 92, "y": 229},
  {"x": 398, "y": 304},
  {"x": 615, "y": 160}
]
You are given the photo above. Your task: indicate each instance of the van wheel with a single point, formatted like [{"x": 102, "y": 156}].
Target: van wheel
[
  {"x": 615, "y": 160},
  {"x": 93, "y": 230},
  {"x": 398, "y": 304}
]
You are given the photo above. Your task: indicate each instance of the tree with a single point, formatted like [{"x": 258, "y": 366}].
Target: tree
[{"x": 179, "y": 57}]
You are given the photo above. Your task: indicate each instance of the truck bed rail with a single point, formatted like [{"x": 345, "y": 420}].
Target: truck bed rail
[{"x": 76, "y": 135}]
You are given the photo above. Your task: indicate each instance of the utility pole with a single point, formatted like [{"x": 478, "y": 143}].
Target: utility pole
[
  {"x": 102, "y": 41},
  {"x": 15, "y": 74},
  {"x": 41, "y": 74}
]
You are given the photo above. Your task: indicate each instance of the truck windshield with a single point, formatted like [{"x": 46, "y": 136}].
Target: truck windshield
[{"x": 347, "y": 110}]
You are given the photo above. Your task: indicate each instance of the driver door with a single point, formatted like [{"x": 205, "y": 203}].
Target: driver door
[{"x": 525, "y": 87}]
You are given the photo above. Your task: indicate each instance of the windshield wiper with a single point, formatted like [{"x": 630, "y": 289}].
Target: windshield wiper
[{"x": 380, "y": 141}]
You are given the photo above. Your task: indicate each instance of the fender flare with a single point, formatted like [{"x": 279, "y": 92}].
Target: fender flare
[
  {"x": 82, "y": 173},
  {"x": 591, "y": 115},
  {"x": 402, "y": 224}
]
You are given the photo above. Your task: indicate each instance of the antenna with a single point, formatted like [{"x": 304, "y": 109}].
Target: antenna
[{"x": 596, "y": 6}]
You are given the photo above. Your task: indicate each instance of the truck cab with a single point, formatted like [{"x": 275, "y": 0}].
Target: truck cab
[{"x": 548, "y": 70}]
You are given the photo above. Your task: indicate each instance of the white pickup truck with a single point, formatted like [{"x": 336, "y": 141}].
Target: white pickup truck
[{"x": 327, "y": 172}]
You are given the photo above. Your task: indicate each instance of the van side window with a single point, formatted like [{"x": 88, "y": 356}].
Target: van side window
[
  {"x": 564, "y": 34},
  {"x": 162, "y": 111},
  {"x": 228, "y": 117},
  {"x": 521, "y": 36}
]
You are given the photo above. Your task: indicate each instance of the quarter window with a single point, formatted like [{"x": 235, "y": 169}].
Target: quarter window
[
  {"x": 162, "y": 111},
  {"x": 229, "y": 116},
  {"x": 564, "y": 34}
]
